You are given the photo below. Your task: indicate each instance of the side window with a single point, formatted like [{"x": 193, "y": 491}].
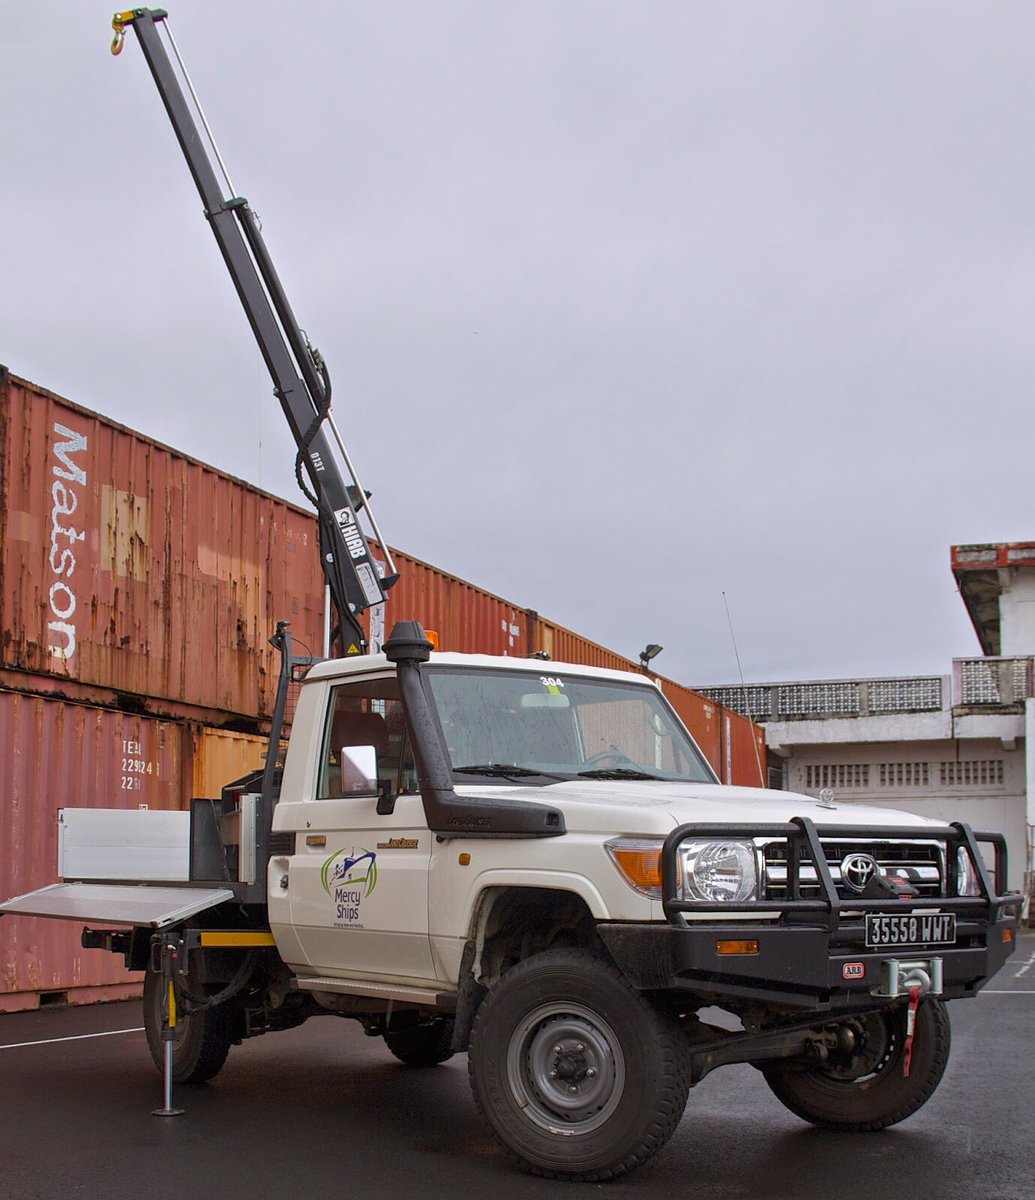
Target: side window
[{"x": 366, "y": 713}]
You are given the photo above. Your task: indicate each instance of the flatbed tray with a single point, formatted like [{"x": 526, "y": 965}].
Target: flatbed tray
[{"x": 117, "y": 904}]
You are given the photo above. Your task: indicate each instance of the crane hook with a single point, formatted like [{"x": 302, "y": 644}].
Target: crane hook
[{"x": 119, "y": 22}]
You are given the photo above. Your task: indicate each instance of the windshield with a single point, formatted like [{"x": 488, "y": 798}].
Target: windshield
[{"x": 514, "y": 725}]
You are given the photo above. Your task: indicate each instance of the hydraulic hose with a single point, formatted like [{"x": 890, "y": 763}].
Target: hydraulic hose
[{"x": 323, "y": 409}]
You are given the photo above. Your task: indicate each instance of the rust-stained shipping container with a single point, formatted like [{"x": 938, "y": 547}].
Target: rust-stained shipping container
[
  {"x": 567, "y": 646},
  {"x": 703, "y": 718},
  {"x": 466, "y": 618},
  {"x": 130, "y": 569},
  {"x": 54, "y": 755},
  {"x": 742, "y": 751}
]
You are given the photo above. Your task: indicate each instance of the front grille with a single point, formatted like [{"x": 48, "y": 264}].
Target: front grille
[{"x": 922, "y": 863}]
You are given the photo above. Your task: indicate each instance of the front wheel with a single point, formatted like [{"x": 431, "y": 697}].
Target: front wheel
[
  {"x": 578, "y": 1075},
  {"x": 861, "y": 1087},
  {"x": 202, "y": 1039}
]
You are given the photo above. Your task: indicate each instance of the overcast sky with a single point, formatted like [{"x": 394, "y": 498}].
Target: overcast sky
[{"x": 626, "y": 304}]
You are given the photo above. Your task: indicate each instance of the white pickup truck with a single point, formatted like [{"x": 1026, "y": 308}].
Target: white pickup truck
[
  {"x": 532, "y": 862},
  {"x": 527, "y": 861}
]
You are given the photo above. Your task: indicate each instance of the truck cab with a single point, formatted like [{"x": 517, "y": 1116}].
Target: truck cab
[
  {"x": 424, "y": 794},
  {"x": 369, "y": 888}
]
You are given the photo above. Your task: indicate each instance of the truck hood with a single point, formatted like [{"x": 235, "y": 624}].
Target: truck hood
[{"x": 656, "y": 807}]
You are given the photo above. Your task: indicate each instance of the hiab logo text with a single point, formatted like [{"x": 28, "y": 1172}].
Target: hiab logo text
[{"x": 348, "y": 877}]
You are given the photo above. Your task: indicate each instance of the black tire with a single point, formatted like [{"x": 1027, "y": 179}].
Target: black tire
[
  {"x": 577, "y": 1074},
  {"x": 870, "y": 1092},
  {"x": 202, "y": 1039},
  {"x": 422, "y": 1045}
]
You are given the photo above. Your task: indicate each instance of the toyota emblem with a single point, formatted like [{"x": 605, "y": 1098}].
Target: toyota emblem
[{"x": 857, "y": 870}]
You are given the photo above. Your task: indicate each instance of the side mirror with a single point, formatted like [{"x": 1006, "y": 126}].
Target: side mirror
[{"x": 358, "y": 771}]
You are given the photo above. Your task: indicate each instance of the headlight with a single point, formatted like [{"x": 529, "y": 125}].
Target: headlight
[
  {"x": 967, "y": 882},
  {"x": 716, "y": 871},
  {"x": 723, "y": 872}
]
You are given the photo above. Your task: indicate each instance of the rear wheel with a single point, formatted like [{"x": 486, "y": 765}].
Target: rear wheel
[
  {"x": 202, "y": 1039},
  {"x": 579, "y": 1076},
  {"x": 424, "y": 1045},
  {"x": 861, "y": 1087}
]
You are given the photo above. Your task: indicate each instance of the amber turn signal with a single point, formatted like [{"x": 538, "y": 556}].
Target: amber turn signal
[
  {"x": 641, "y": 867},
  {"x": 732, "y": 947}
]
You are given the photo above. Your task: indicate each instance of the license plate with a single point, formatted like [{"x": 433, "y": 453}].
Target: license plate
[{"x": 927, "y": 929}]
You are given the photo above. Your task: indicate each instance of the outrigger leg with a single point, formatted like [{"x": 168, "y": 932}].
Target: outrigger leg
[{"x": 170, "y": 949}]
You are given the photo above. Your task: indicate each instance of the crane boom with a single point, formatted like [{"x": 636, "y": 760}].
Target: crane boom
[{"x": 301, "y": 381}]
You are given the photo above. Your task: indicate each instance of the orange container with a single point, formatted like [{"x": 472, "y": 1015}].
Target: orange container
[
  {"x": 221, "y": 756},
  {"x": 467, "y": 618},
  {"x": 701, "y": 716},
  {"x": 54, "y": 755}
]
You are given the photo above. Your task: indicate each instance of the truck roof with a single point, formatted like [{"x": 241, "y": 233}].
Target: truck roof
[{"x": 336, "y": 668}]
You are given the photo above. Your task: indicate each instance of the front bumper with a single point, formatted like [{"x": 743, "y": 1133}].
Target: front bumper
[
  {"x": 810, "y": 953},
  {"x": 799, "y": 967}
]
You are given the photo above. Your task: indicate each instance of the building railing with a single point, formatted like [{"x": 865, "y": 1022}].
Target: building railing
[
  {"x": 976, "y": 683},
  {"x": 991, "y": 682}
]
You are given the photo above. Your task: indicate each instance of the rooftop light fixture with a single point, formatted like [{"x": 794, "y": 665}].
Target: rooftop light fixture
[{"x": 651, "y": 650}]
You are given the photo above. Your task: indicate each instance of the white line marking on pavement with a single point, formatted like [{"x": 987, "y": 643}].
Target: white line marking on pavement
[
  {"x": 1027, "y": 967},
  {"x": 983, "y": 992},
  {"x": 78, "y": 1038}
]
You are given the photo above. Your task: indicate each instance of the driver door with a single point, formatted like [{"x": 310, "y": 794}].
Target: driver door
[{"x": 359, "y": 875}]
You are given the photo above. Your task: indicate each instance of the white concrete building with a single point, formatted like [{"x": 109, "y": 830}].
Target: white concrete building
[{"x": 954, "y": 747}]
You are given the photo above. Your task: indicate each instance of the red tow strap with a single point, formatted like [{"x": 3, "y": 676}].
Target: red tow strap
[{"x": 914, "y": 1004}]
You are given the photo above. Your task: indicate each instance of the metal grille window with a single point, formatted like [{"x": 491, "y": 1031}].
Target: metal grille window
[
  {"x": 819, "y": 699},
  {"x": 906, "y": 695},
  {"x": 905, "y": 774},
  {"x": 975, "y": 772},
  {"x": 748, "y": 701},
  {"x": 831, "y": 698},
  {"x": 994, "y": 680},
  {"x": 837, "y": 775},
  {"x": 980, "y": 684}
]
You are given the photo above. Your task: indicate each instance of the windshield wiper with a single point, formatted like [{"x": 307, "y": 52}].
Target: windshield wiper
[
  {"x": 504, "y": 771},
  {"x": 617, "y": 773}
]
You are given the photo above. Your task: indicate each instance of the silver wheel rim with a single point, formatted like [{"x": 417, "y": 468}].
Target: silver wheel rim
[{"x": 566, "y": 1069}]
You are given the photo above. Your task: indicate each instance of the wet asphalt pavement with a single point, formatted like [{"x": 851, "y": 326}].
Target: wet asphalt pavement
[{"x": 323, "y": 1111}]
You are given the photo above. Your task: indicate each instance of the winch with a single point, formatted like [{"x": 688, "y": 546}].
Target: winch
[{"x": 900, "y": 976}]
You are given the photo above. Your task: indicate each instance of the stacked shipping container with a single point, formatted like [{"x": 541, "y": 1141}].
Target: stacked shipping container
[
  {"x": 57, "y": 754},
  {"x": 465, "y": 617},
  {"x": 131, "y": 570},
  {"x": 468, "y": 619},
  {"x": 138, "y": 588}
]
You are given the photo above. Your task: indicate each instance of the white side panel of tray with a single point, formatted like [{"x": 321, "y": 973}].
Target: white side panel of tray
[{"x": 118, "y": 843}]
